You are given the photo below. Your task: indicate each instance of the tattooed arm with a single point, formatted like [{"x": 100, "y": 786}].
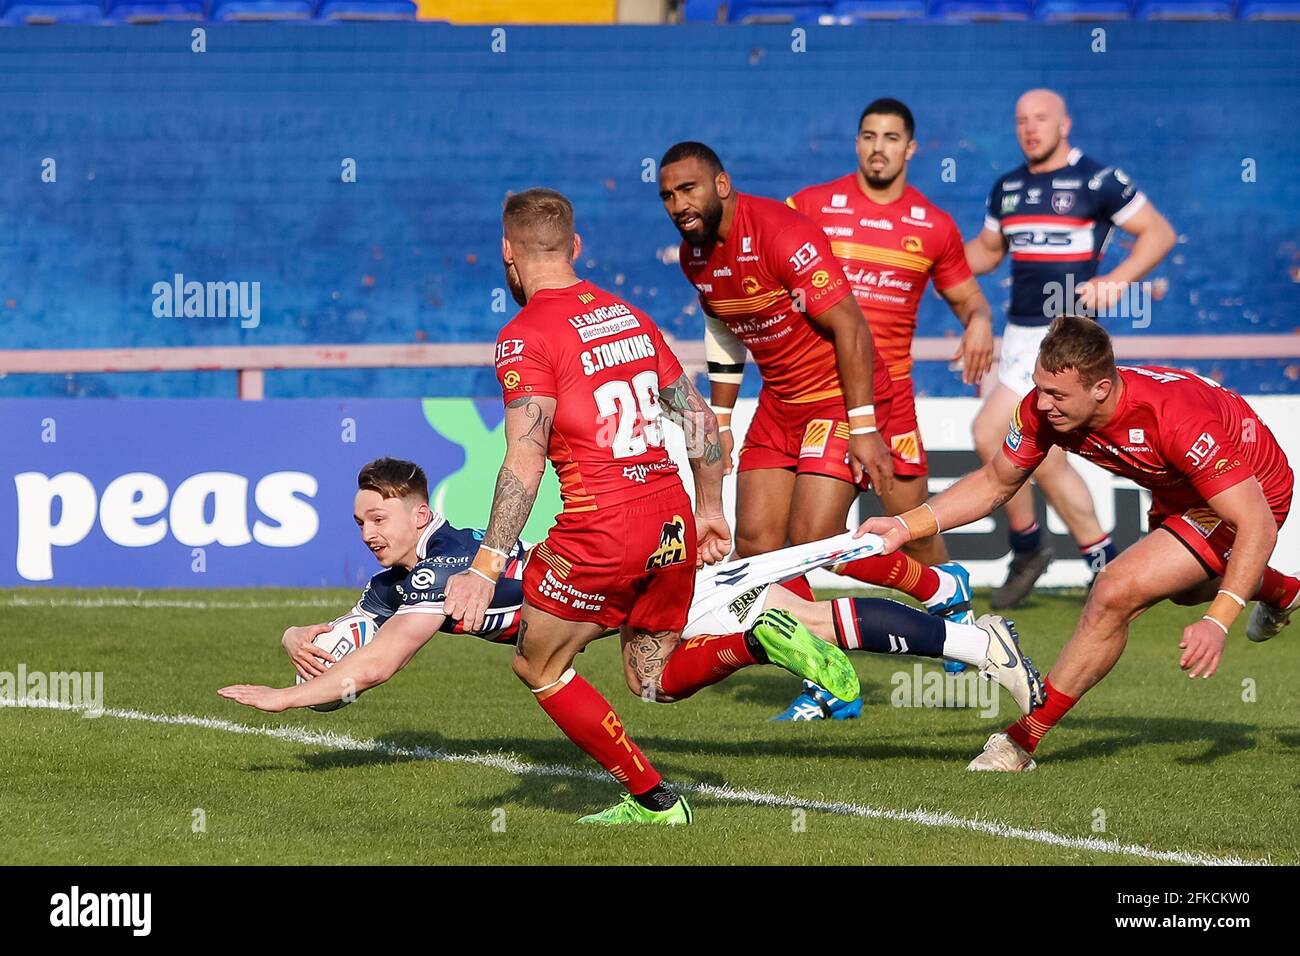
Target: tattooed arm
[
  {"x": 681, "y": 402},
  {"x": 528, "y": 435}
]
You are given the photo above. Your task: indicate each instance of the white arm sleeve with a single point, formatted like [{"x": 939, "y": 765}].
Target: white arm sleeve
[{"x": 724, "y": 353}]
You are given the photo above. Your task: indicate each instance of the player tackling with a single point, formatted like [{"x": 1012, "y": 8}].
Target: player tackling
[
  {"x": 737, "y": 617},
  {"x": 1221, "y": 487}
]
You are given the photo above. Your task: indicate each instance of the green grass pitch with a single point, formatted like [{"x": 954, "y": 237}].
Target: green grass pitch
[{"x": 1150, "y": 760}]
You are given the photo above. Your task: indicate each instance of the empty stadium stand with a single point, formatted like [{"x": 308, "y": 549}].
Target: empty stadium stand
[{"x": 131, "y": 159}]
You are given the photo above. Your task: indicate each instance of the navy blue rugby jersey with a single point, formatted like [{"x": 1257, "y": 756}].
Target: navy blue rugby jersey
[
  {"x": 445, "y": 550},
  {"x": 1056, "y": 226}
]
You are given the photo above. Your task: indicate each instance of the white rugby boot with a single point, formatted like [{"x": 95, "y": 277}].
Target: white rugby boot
[
  {"x": 1003, "y": 754},
  {"x": 1267, "y": 622},
  {"x": 1008, "y": 666}
]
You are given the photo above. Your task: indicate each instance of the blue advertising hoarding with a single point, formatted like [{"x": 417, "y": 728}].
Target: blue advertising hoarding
[
  {"x": 216, "y": 493},
  {"x": 203, "y": 493}
]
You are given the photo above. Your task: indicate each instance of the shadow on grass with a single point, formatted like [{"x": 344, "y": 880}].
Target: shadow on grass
[
  {"x": 772, "y": 689},
  {"x": 558, "y": 751},
  {"x": 562, "y": 792},
  {"x": 1113, "y": 735}
]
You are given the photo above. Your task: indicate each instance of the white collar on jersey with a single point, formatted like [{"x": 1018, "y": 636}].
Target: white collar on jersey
[
  {"x": 1075, "y": 155},
  {"x": 429, "y": 530}
]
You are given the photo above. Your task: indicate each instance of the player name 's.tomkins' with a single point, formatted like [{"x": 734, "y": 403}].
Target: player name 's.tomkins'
[{"x": 617, "y": 352}]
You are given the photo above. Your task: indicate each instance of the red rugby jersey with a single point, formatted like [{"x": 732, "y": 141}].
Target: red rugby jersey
[
  {"x": 1182, "y": 437},
  {"x": 771, "y": 257},
  {"x": 888, "y": 252},
  {"x": 604, "y": 363}
]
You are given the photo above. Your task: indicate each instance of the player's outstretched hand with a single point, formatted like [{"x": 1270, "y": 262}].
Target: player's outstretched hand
[
  {"x": 269, "y": 699},
  {"x": 712, "y": 539},
  {"x": 975, "y": 352},
  {"x": 728, "y": 446},
  {"x": 868, "y": 453},
  {"x": 308, "y": 659},
  {"x": 892, "y": 531},
  {"x": 468, "y": 596},
  {"x": 1202, "y": 646}
]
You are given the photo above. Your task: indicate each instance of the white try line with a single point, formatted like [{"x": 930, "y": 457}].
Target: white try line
[
  {"x": 19, "y": 600},
  {"x": 512, "y": 764}
]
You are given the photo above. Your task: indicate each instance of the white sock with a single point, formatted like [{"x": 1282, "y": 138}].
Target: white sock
[
  {"x": 966, "y": 643},
  {"x": 947, "y": 589}
]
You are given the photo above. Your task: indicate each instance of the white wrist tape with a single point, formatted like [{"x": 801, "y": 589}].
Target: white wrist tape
[
  {"x": 1235, "y": 597},
  {"x": 1223, "y": 627}
]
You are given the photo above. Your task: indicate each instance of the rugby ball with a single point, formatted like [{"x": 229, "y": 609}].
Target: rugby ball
[{"x": 344, "y": 636}]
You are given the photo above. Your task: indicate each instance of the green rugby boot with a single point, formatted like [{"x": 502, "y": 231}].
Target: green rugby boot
[
  {"x": 629, "y": 811},
  {"x": 791, "y": 645}
]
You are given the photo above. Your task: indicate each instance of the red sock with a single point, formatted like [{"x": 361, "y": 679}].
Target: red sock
[
  {"x": 1030, "y": 729},
  {"x": 702, "y": 661},
  {"x": 896, "y": 571},
  {"x": 1277, "y": 589},
  {"x": 586, "y": 717},
  {"x": 799, "y": 586}
]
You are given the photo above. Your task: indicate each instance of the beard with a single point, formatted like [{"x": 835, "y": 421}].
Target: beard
[
  {"x": 710, "y": 221},
  {"x": 882, "y": 180},
  {"x": 515, "y": 284},
  {"x": 1044, "y": 151}
]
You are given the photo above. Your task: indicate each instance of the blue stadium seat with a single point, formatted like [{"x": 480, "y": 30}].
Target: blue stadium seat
[
  {"x": 249, "y": 10},
  {"x": 366, "y": 10},
  {"x": 1184, "y": 9},
  {"x": 1073, "y": 11},
  {"x": 967, "y": 10},
  {"x": 856, "y": 11},
  {"x": 777, "y": 11},
  {"x": 53, "y": 11},
  {"x": 702, "y": 11},
  {"x": 1268, "y": 10},
  {"x": 155, "y": 11}
]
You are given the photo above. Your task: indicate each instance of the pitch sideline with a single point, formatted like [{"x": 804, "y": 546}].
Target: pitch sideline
[{"x": 511, "y": 764}]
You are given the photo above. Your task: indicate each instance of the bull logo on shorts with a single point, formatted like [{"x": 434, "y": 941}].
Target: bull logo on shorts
[{"x": 672, "y": 545}]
